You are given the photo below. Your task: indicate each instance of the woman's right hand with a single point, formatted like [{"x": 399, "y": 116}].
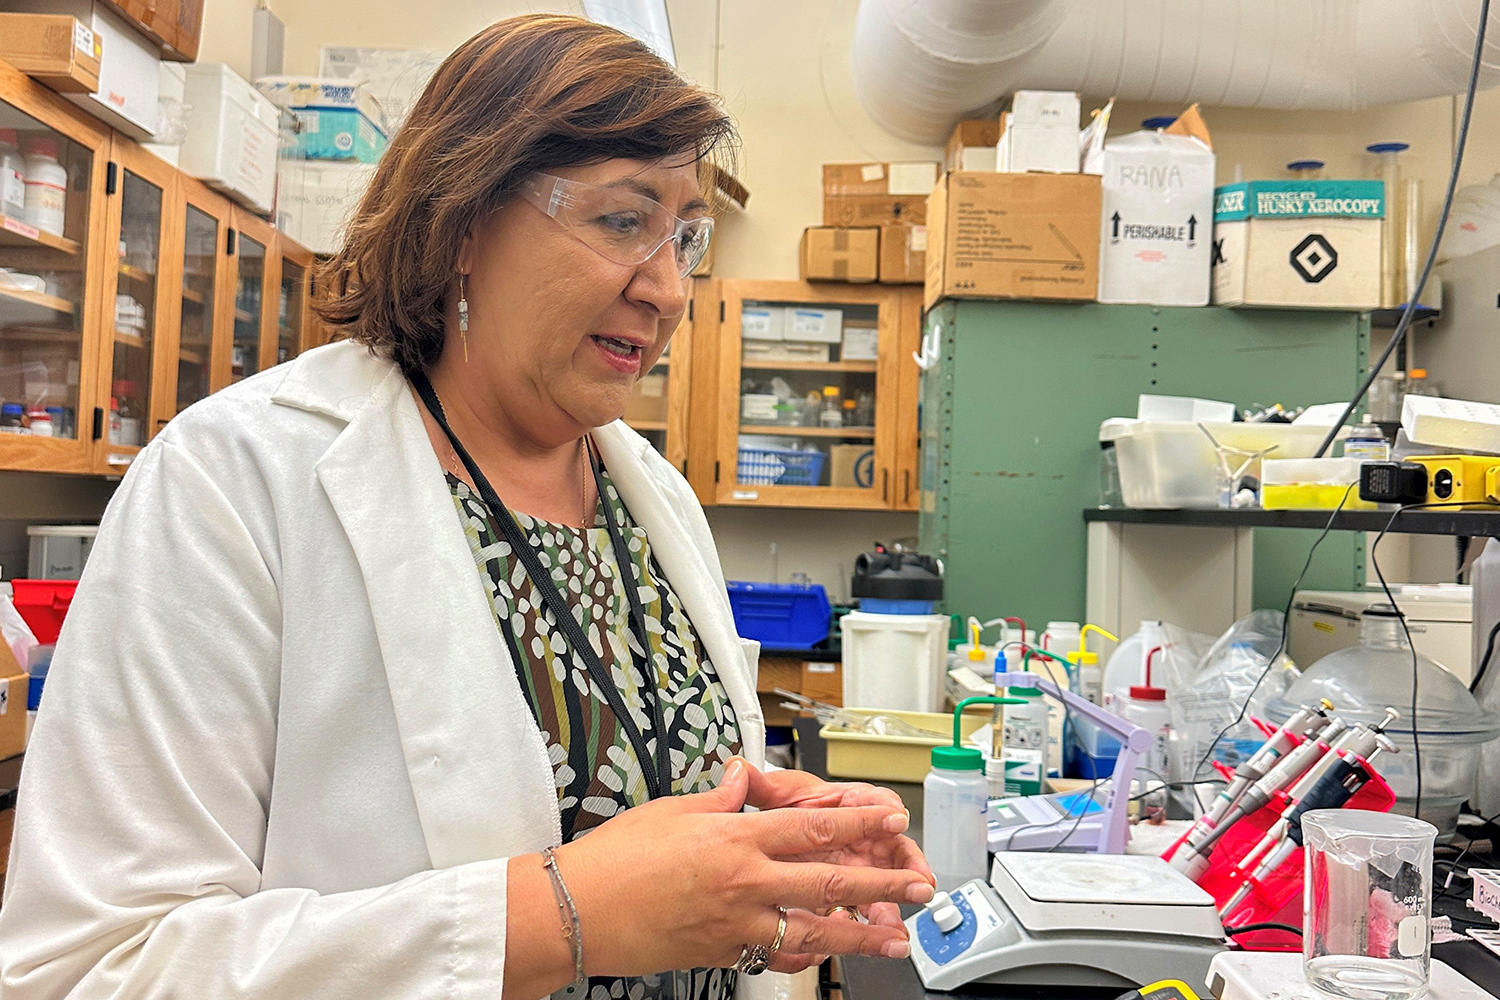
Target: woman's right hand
[{"x": 688, "y": 881}]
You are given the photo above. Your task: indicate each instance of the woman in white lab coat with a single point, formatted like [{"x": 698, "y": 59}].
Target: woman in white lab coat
[{"x": 366, "y": 636}]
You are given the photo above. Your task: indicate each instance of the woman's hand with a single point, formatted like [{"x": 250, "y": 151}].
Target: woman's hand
[
  {"x": 800, "y": 790},
  {"x": 688, "y": 881}
]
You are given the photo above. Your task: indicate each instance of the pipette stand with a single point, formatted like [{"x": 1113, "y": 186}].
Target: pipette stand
[
  {"x": 1277, "y": 898},
  {"x": 1051, "y": 822}
]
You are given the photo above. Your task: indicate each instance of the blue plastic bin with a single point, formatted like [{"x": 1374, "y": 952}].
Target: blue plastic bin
[
  {"x": 779, "y": 467},
  {"x": 882, "y": 606},
  {"x": 780, "y": 615}
]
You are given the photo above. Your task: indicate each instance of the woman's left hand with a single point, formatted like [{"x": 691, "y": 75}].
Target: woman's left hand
[{"x": 800, "y": 790}]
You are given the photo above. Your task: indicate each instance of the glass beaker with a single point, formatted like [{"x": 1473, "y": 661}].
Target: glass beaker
[{"x": 1367, "y": 904}]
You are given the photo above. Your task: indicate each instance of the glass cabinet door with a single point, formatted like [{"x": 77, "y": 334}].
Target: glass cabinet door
[
  {"x": 248, "y": 288},
  {"x": 46, "y": 178},
  {"x": 290, "y": 308},
  {"x": 808, "y": 396},
  {"x": 202, "y": 237},
  {"x": 134, "y": 310}
]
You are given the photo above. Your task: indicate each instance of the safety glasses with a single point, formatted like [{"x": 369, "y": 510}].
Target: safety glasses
[{"x": 620, "y": 226}]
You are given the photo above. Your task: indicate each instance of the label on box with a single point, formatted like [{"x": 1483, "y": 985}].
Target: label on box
[
  {"x": 1353, "y": 199},
  {"x": 872, "y": 171},
  {"x": 83, "y": 38},
  {"x": 918, "y": 242},
  {"x": 760, "y": 323},
  {"x": 861, "y": 343},
  {"x": 822, "y": 325},
  {"x": 912, "y": 178},
  {"x": 4, "y": 697}
]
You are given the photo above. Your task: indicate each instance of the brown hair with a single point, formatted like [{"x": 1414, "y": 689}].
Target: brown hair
[{"x": 528, "y": 93}]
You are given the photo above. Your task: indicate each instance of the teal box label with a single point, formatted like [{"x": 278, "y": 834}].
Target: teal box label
[{"x": 1347, "y": 199}]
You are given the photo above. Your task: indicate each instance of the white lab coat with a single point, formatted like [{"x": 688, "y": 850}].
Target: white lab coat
[{"x": 282, "y": 751}]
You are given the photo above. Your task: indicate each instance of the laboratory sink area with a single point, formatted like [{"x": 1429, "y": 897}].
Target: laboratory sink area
[{"x": 750, "y": 500}]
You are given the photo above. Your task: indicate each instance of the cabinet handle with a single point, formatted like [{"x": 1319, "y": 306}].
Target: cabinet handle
[
  {"x": 229, "y": 243},
  {"x": 905, "y": 485},
  {"x": 885, "y": 483},
  {"x": 111, "y": 177}
]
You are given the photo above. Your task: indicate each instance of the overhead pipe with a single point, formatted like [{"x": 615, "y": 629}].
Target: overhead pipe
[{"x": 921, "y": 65}]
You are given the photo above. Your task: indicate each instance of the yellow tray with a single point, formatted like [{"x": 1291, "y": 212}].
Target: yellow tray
[
  {"x": 895, "y": 758},
  {"x": 1310, "y": 496}
]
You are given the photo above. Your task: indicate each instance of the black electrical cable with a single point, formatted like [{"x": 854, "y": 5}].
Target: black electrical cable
[
  {"x": 1281, "y": 646},
  {"x": 1266, "y": 925},
  {"x": 1437, "y": 237},
  {"x": 1489, "y": 650},
  {"x": 1416, "y": 740}
]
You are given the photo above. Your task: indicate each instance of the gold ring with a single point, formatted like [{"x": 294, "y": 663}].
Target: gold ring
[
  {"x": 847, "y": 911},
  {"x": 756, "y": 959}
]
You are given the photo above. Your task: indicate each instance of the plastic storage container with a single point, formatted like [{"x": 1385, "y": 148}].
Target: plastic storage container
[
  {"x": 873, "y": 757},
  {"x": 1312, "y": 483},
  {"x": 232, "y": 135},
  {"x": 43, "y": 604},
  {"x": 1363, "y": 680},
  {"x": 59, "y": 551},
  {"x": 1168, "y": 465},
  {"x": 780, "y": 615},
  {"x": 779, "y": 467},
  {"x": 894, "y": 661}
]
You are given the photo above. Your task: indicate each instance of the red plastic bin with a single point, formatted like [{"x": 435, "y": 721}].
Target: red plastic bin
[{"x": 44, "y": 604}]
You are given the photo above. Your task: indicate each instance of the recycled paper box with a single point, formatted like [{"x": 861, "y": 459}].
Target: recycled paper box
[
  {"x": 873, "y": 194},
  {"x": 1155, "y": 246},
  {"x": 830, "y": 253},
  {"x": 851, "y": 466},
  {"x": 1302, "y": 244},
  {"x": 1013, "y": 236}
]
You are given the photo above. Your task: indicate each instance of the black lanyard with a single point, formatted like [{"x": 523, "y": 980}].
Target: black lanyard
[{"x": 656, "y": 769}]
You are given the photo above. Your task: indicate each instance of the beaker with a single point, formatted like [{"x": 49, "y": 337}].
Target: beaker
[
  {"x": 1388, "y": 171},
  {"x": 1367, "y": 904}
]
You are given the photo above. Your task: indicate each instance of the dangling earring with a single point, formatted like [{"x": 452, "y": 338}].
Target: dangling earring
[{"x": 463, "y": 316}]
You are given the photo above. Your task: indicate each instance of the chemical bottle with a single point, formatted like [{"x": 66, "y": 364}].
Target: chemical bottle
[
  {"x": 39, "y": 422},
  {"x": 832, "y": 414},
  {"x": 1127, "y": 667},
  {"x": 1057, "y": 673},
  {"x": 955, "y": 807},
  {"x": 1088, "y": 676},
  {"x": 12, "y": 418},
  {"x": 1062, "y": 638},
  {"x": 46, "y": 187},
  {"x": 1025, "y": 742},
  {"x": 1367, "y": 442},
  {"x": 114, "y": 421},
  {"x": 1146, "y": 706},
  {"x": 12, "y": 177},
  {"x": 1418, "y": 384}
]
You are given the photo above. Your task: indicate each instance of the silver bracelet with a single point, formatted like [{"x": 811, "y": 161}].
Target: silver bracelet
[{"x": 572, "y": 930}]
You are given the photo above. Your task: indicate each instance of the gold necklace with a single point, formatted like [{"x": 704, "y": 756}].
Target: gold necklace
[{"x": 456, "y": 466}]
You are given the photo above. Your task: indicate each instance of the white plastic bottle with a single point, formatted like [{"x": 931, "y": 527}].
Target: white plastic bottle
[
  {"x": 955, "y": 820},
  {"x": 46, "y": 187},
  {"x": 12, "y": 177},
  {"x": 1024, "y": 742},
  {"x": 1127, "y": 667},
  {"x": 1062, "y": 638},
  {"x": 1146, "y": 706}
]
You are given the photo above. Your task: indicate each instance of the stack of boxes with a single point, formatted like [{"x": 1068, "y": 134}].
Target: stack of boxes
[
  {"x": 328, "y": 156},
  {"x": 874, "y": 224}
]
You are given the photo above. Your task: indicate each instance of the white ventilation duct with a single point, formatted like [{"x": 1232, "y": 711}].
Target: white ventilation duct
[{"x": 920, "y": 65}]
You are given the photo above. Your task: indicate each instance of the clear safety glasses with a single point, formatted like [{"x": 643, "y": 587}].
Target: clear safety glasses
[{"x": 620, "y": 226}]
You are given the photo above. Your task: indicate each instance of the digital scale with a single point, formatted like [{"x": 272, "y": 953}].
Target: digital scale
[
  {"x": 1277, "y": 975},
  {"x": 1068, "y": 920}
]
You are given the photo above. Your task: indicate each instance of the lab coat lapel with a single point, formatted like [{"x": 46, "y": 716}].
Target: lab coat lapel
[
  {"x": 696, "y": 587},
  {"x": 480, "y": 791}
]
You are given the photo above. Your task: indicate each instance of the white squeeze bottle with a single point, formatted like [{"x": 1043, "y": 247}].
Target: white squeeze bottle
[
  {"x": 955, "y": 808},
  {"x": 1127, "y": 667},
  {"x": 1146, "y": 706}
]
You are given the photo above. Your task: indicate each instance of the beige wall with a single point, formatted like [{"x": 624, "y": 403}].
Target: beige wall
[{"x": 782, "y": 68}]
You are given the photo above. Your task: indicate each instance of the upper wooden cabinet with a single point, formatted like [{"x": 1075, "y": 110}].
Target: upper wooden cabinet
[
  {"x": 129, "y": 291},
  {"x": 660, "y": 406},
  {"x": 49, "y": 288},
  {"x": 811, "y": 410}
]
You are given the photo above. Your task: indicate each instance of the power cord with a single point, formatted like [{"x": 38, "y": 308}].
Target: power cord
[
  {"x": 1411, "y": 306},
  {"x": 1489, "y": 650},
  {"x": 1286, "y": 619},
  {"x": 1265, "y": 925}
]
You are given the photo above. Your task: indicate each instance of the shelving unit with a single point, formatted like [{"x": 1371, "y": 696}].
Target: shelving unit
[
  {"x": 15, "y": 233},
  {"x": 23, "y": 308},
  {"x": 869, "y": 367},
  {"x": 823, "y": 432}
]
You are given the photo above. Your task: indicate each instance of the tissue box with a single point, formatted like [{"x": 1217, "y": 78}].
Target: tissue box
[
  {"x": 1298, "y": 244},
  {"x": 338, "y": 120}
]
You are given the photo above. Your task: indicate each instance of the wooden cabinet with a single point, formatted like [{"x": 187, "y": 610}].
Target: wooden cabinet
[
  {"x": 660, "y": 408},
  {"x": 156, "y": 292},
  {"x": 50, "y": 291},
  {"x": 814, "y": 406}
]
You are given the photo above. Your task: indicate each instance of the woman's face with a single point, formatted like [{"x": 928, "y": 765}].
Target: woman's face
[{"x": 555, "y": 326}]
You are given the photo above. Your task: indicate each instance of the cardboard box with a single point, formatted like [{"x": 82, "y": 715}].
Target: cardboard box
[
  {"x": 1154, "y": 230},
  {"x": 1300, "y": 244},
  {"x": 760, "y": 322},
  {"x": 766, "y": 352},
  {"x": 972, "y": 145},
  {"x": 648, "y": 401},
  {"x": 56, "y": 49},
  {"x": 1013, "y": 236},
  {"x": 851, "y": 466},
  {"x": 336, "y": 119},
  {"x": 1040, "y": 133},
  {"x": 814, "y": 324},
  {"x": 903, "y": 254},
  {"x": 13, "y": 691},
  {"x": 872, "y": 194},
  {"x": 828, "y": 253},
  {"x": 176, "y": 26},
  {"x": 315, "y": 199}
]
